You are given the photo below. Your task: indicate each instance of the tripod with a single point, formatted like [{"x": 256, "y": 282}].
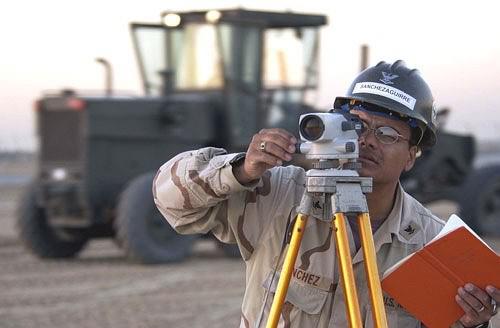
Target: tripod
[{"x": 346, "y": 191}]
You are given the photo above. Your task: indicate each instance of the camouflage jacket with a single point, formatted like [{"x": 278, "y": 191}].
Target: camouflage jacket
[{"x": 197, "y": 192}]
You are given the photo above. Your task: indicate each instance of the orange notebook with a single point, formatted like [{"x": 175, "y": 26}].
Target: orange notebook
[{"x": 426, "y": 282}]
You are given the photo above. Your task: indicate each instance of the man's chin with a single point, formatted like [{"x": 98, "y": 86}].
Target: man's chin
[
  {"x": 363, "y": 172},
  {"x": 366, "y": 171},
  {"x": 367, "y": 167}
]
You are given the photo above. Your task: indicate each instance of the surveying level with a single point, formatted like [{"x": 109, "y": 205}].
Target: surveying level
[{"x": 332, "y": 138}]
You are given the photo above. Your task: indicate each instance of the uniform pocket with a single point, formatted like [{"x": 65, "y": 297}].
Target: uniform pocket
[{"x": 307, "y": 298}]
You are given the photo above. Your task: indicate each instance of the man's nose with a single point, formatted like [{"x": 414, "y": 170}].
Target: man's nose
[{"x": 367, "y": 139}]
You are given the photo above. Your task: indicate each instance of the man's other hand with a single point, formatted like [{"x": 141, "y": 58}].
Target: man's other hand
[{"x": 479, "y": 305}]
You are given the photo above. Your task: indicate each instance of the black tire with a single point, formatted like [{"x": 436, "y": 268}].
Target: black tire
[
  {"x": 480, "y": 201},
  {"x": 38, "y": 236},
  {"x": 142, "y": 231}
]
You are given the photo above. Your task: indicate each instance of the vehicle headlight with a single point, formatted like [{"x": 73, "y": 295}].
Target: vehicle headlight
[{"x": 59, "y": 174}]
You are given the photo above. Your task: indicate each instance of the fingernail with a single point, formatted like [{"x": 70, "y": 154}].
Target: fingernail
[
  {"x": 294, "y": 140},
  {"x": 461, "y": 291},
  {"x": 279, "y": 163},
  {"x": 469, "y": 287},
  {"x": 490, "y": 289},
  {"x": 291, "y": 149}
]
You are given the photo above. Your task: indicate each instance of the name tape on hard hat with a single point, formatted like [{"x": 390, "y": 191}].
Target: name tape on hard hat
[{"x": 385, "y": 91}]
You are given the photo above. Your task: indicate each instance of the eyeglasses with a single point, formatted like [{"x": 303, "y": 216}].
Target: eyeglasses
[{"x": 384, "y": 134}]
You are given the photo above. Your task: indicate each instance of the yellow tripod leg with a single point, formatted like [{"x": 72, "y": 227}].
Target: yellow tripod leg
[
  {"x": 377, "y": 302},
  {"x": 346, "y": 271},
  {"x": 286, "y": 271}
]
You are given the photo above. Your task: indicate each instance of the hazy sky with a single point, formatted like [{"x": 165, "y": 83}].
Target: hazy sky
[{"x": 51, "y": 44}]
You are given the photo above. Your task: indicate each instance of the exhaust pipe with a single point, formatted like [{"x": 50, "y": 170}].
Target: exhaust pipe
[
  {"x": 364, "y": 57},
  {"x": 108, "y": 75}
]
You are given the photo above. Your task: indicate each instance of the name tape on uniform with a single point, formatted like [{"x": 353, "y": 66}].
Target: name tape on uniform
[{"x": 385, "y": 91}]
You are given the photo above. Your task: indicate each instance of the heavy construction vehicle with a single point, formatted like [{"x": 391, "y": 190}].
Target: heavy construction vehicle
[{"x": 210, "y": 78}]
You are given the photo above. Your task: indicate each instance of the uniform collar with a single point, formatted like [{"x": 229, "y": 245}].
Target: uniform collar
[{"x": 401, "y": 224}]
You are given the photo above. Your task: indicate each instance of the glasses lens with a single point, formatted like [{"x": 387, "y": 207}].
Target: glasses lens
[{"x": 386, "y": 135}]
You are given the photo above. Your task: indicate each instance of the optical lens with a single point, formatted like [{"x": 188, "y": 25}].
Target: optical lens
[{"x": 312, "y": 127}]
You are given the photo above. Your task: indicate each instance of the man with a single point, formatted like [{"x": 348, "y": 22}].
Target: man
[{"x": 250, "y": 199}]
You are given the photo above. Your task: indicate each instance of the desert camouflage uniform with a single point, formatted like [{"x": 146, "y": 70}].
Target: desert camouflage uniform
[{"x": 197, "y": 192}]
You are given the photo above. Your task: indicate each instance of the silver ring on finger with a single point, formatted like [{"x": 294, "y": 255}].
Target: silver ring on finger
[
  {"x": 494, "y": 307},
  {"x": 262, "y": 146},
  {"x": 481, "y": 309}
]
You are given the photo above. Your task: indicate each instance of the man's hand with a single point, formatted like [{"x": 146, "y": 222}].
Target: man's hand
[
  {"x": 268, "y": 148},
  {"x": 479, "y": 305}
]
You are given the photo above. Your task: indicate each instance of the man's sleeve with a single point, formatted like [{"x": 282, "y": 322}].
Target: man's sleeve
[
  {"x": 197, "y": 193},
  {"x": 192, "y": 190}
]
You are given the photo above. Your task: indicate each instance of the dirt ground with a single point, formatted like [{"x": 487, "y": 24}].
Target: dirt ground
[{"x": 101, "y": 289}]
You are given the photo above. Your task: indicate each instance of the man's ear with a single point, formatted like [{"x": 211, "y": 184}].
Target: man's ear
[{"x": 412, "y": 156}]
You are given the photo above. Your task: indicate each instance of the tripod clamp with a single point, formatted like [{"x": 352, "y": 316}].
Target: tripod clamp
[{"x": 346, "y": 187}]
